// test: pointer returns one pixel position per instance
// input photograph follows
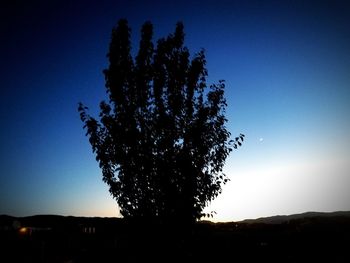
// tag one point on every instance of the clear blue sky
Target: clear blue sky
(287, 70)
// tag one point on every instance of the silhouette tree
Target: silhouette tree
(161, 139)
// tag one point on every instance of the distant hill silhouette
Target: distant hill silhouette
(58, 220)
(278, 219)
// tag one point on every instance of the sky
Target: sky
(287, 71)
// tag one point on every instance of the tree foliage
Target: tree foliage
(161, 139)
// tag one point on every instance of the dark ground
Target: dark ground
(67, 239)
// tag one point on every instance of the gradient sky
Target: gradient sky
(287, 70)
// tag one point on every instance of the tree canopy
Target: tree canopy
(160, 139)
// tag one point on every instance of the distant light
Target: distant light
(23, 230)
(261, 139)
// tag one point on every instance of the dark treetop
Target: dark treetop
(161, 139)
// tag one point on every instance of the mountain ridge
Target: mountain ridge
(276, 219)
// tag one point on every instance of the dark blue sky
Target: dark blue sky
(286, 66)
